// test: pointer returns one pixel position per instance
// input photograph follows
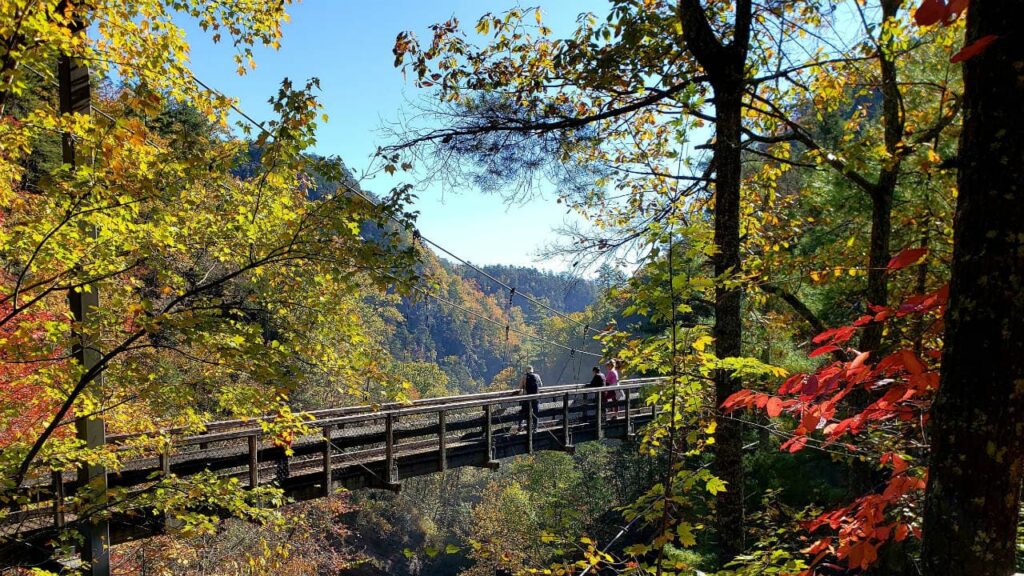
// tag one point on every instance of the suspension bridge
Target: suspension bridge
(353, 448)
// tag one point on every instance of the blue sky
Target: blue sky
(347, 45)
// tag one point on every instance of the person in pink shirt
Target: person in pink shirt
(611, 378)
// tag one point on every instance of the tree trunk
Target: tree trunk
(972, 501)
(726, 66)
(878, 258)
(888, 177)
(728, 327)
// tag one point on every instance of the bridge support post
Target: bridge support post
(75, 98)
(391, 469)
(57, 479)
(442, 441)
(165, 461)
(326, 457)
(566, 439)
(600, 415)
(489, 437)
(629, 418)
(531, 424)
(165, 471)
(254, 464)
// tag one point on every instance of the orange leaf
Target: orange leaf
(973, 49)
(774, 407)
(809, 422)
(901, 532)
(859, 360)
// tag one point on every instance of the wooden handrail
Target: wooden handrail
(319, 414)
(554, 391)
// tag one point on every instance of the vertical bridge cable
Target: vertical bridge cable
(508, 325)
(568, 361)
(583, 344)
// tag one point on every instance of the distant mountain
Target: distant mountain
(472, 351)
(561, 291)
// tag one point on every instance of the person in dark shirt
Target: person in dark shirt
(530, 384)
(596, 382)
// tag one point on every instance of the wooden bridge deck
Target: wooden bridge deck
(357, 447)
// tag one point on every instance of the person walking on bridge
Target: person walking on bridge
(596, 382)
(529, 384)
(611, 378)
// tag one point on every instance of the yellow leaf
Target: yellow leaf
(701, 343)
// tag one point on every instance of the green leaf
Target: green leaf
(685, 533)
(715, 485)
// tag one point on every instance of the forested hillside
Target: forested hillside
(470, 351)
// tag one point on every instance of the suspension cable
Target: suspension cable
(497, 323)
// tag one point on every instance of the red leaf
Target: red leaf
(843, 334)
(792, 384)
(823, 350)
(774, 407)
(901, 532)
(738, 399)
(827, 334)
(837, 335)
(911, 362)
(810, 386)
(809, 422)
(955, 8)
(973, 49)
(794, 444)
(906, 258)
(761, 400)
(863, 320)
(818, 546)
(930, 12)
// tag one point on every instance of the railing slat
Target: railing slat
(389, 448)
(442, 441)
(488, 432)
(566, 443)
(326, 457)
(57, 479)
(254, 464)
(531, 423)
(629, 419)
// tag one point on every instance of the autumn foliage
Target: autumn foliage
(26, 402)
(865, 408)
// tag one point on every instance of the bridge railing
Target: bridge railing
(231, 424)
